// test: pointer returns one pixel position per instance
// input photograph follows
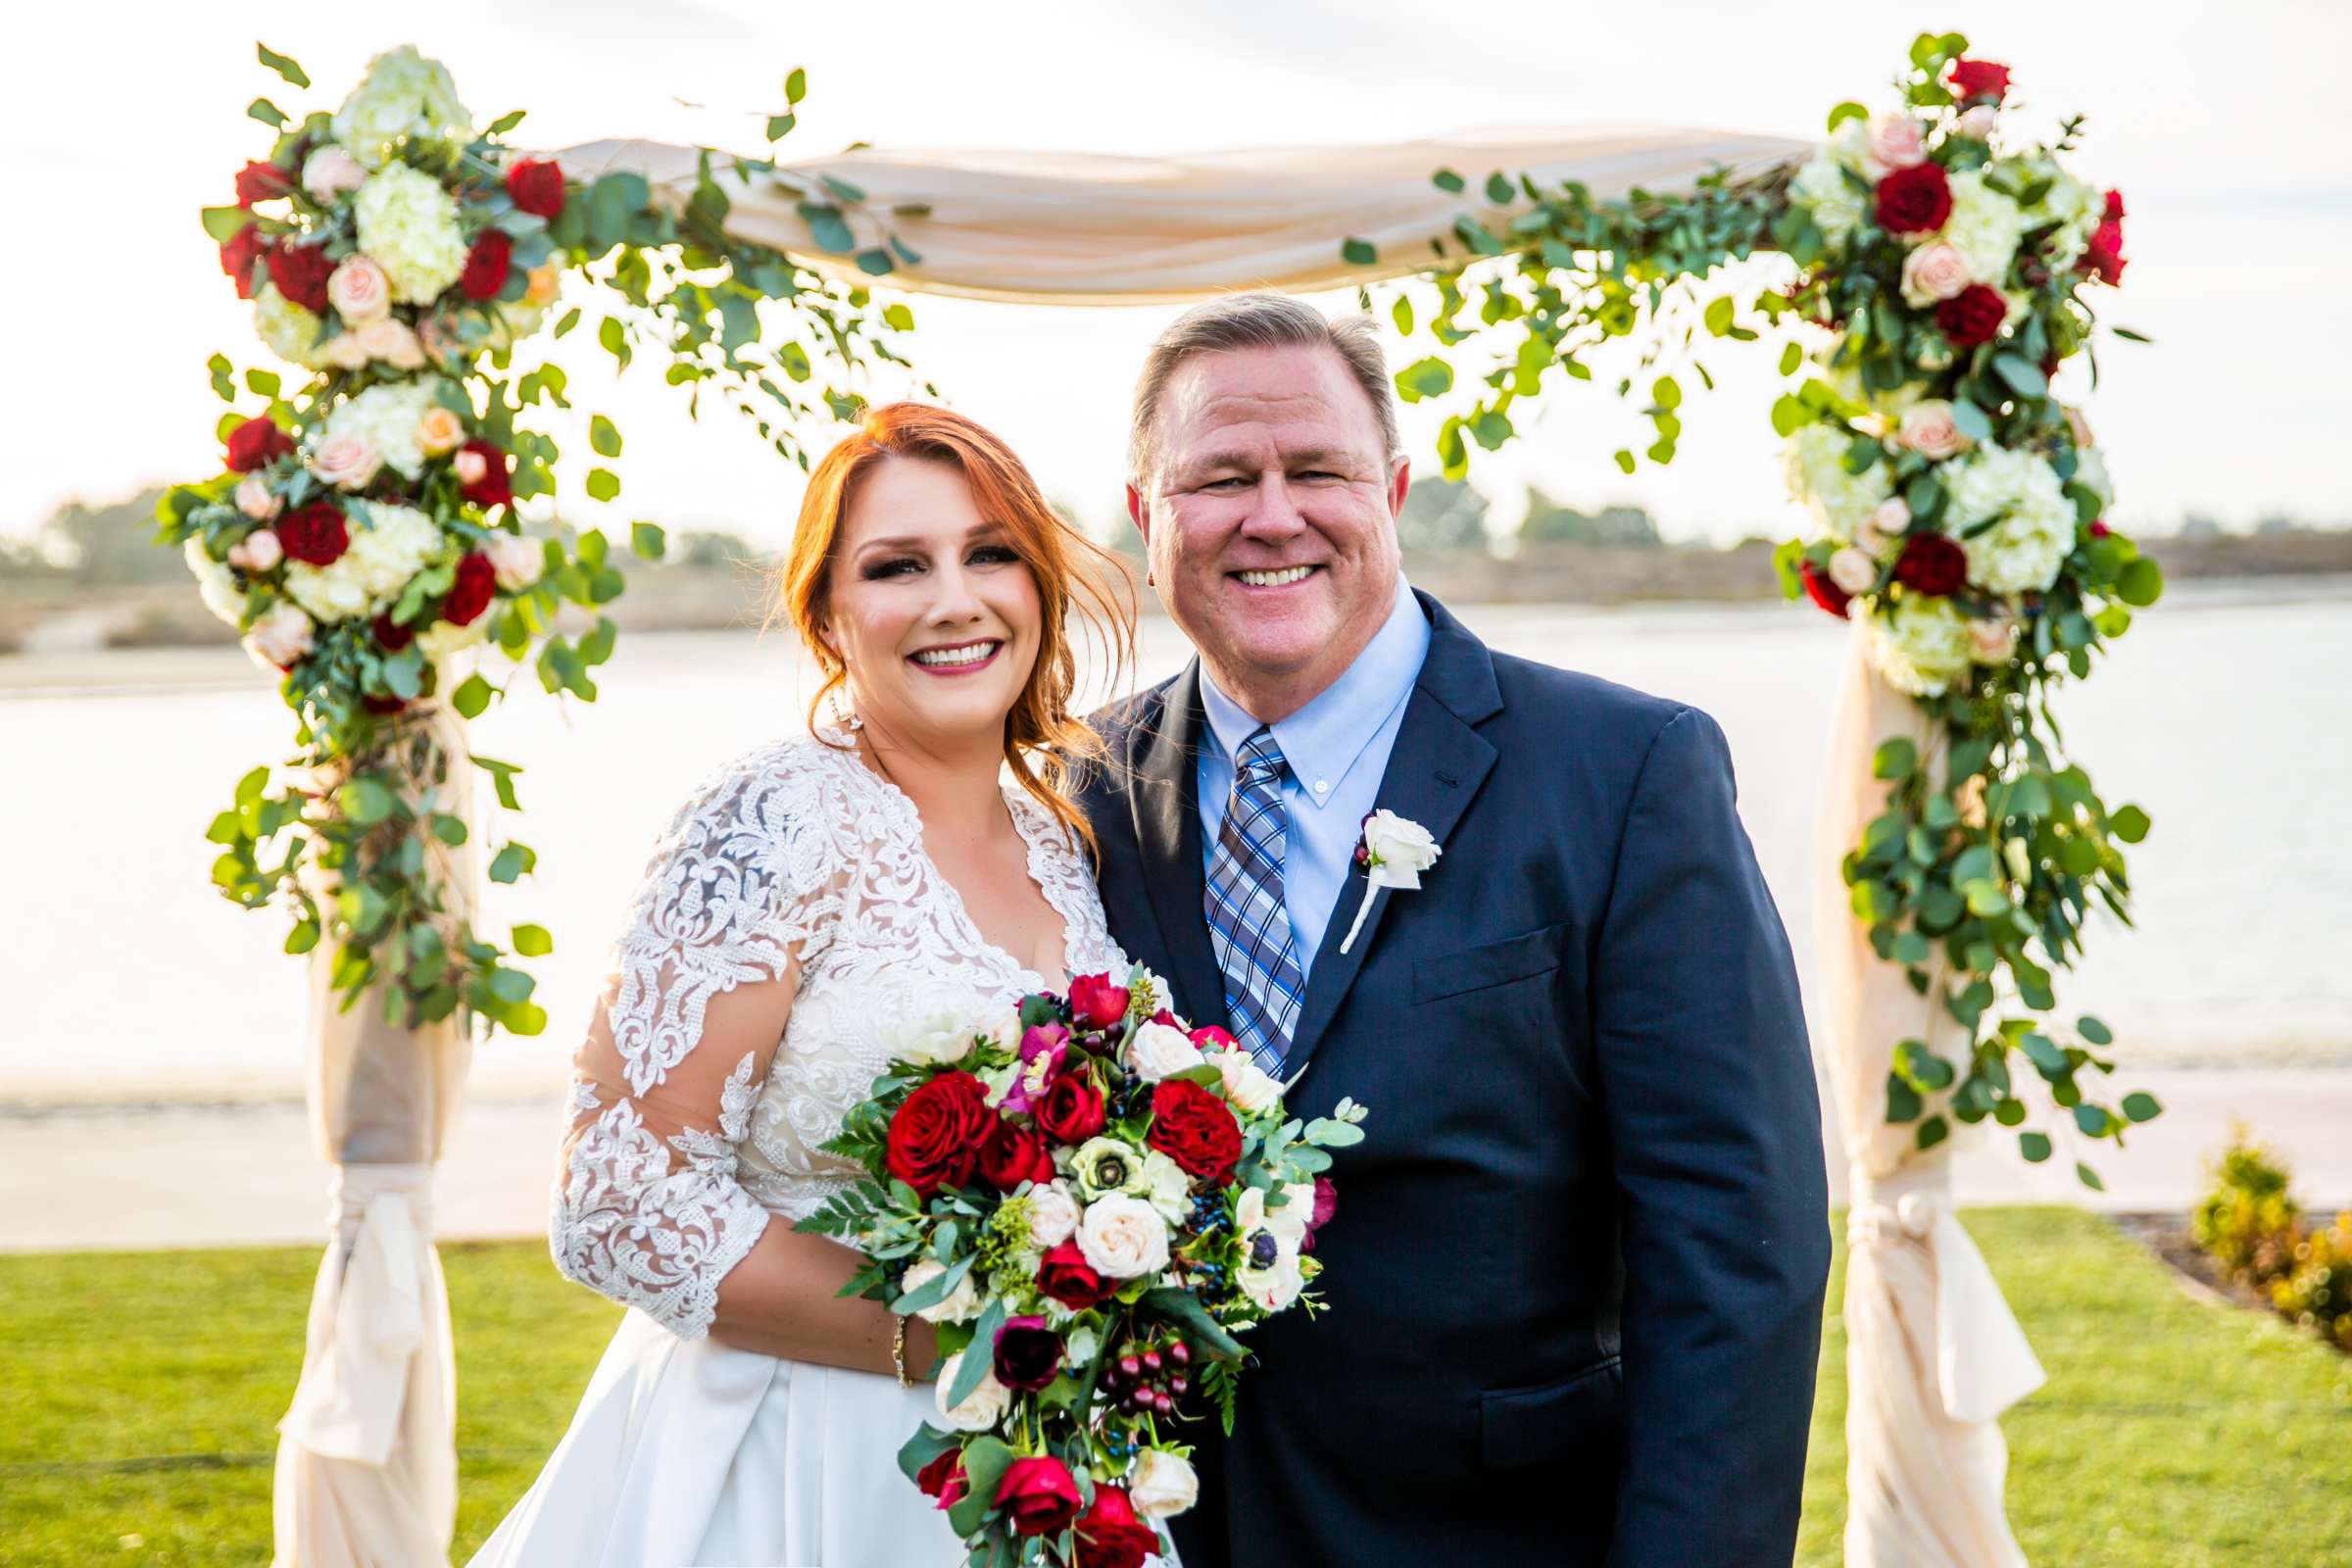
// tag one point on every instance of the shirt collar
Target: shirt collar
(1324, 739)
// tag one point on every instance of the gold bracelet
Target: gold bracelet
(898, 1352)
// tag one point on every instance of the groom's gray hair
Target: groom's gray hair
(1257, 321)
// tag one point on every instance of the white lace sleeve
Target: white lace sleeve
(738, 898)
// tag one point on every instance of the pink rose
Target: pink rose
(516, 561)
(345, 352)
(393, 343)
(1977, 123)
(1856, 572)
(258, 550)
(471, 465)
(256, 499)
(280, 638)
(1994, 641)
(347, 461)
(1927, 428)
(330, 172)
(359, 291)
(1897, 140)
(1932, 272)
(1882, 532)
(439, 431)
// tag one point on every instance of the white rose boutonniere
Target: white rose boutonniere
(1394, 851)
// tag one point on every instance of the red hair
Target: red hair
(1074, 575)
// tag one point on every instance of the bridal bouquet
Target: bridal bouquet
(1089, 1199)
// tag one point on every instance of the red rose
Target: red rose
(1067, 1277)
(1111, 1534)
(944, 1478)
(495, 485)
(1072, 1110)
(1209, 1036)
(2099, 529)
(238, 253)
(1096, 1003)
(1932, 563)
(536, 185)
(1978, 79)
(392, 635)
(2103, 257)
(316, 533)
(1037, 1496)
(300, 272)
(257, 444)
(258, 183)
(486, 265)
(1028, 1354)
(1823, 592)
(383, 705)
(1014, 1154)
(1911, 200)
(1971, 316)
(471, 593)
(936, 1134)
(1195, 1129)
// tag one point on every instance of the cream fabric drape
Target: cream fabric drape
(366, 1460)
(1070, 229)
(1934, 1354)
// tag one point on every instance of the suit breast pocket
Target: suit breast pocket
(1489, 964)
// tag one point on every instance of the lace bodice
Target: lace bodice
(791, 889)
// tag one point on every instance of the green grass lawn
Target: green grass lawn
(138, 1394)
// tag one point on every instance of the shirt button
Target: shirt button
(1322, 786)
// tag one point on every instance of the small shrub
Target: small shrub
(2317, 1291)
(2250, 1224)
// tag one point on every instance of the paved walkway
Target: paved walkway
(191, 1177)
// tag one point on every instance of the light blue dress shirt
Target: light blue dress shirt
(1337, 748)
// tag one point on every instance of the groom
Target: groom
(1575, 1282)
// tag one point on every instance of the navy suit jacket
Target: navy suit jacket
(1575, 1277)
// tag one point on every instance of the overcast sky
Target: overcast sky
(2222, 122)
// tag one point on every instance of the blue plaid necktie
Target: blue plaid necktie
(1249, 929)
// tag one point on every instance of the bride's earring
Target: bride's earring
(842, 715)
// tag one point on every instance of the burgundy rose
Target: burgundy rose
(1038, 1494)
(391, 634)
(1932, 563)
(486, 265)
(1326, 1204)
(493, 480)
(300, 272)
(1028, 1353)
(257, 444)
(1914, 200)
(383, 705)
(936, 1132)
(1067, 1277)
(1096, 1003)
(317, 533)
(1195, 1129)
(1111, 1534)
(259, 182)
(238, 253)
(536, 185)
(1823, 592)
(944, 1478)
(471, 593)
(1014, 1154)
(1978, 79)
(1072, 1110)
(1973, 315)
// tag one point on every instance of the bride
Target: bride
(806, 904)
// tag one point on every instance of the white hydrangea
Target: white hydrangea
(389, 544)
(2074, 206)
(2022, 552)
(1823, 190)
(1817, 475)
(287, 329)
(1984, 226)
(440, 640)
(402, 95)
(1921, 645)
(388, 416)
(214, 584)
(409, 226)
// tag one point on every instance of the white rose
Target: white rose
(517, 560)
(1855, 570)
(1994, 641)
(330, 172)
(1166, 1187)
(279, 638)
(392, 343)
(960, 1305)
(932, 1042)
(1124, 1238)
(1398, 843)
(1977, 123)
(257, 500)
(402, 96)
(1897, 140)
(981, 1409)
(1928, 429)
(347, 461)
(359, 291)
(258, 550)
(1156, 1051)
(1162, 1485)
(214, 584)
(1933, 271)
(1921, 645)
(1249, 1087)
(1882, 532)
(409, 224)
(1052, 1215)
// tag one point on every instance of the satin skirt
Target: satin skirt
(690, 1454)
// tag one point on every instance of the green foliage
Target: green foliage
(1621, 527)
(1441, 516)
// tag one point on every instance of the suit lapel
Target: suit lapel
(1164, 795)
(1435, 771)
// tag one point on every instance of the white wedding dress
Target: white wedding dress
(685, 1144)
